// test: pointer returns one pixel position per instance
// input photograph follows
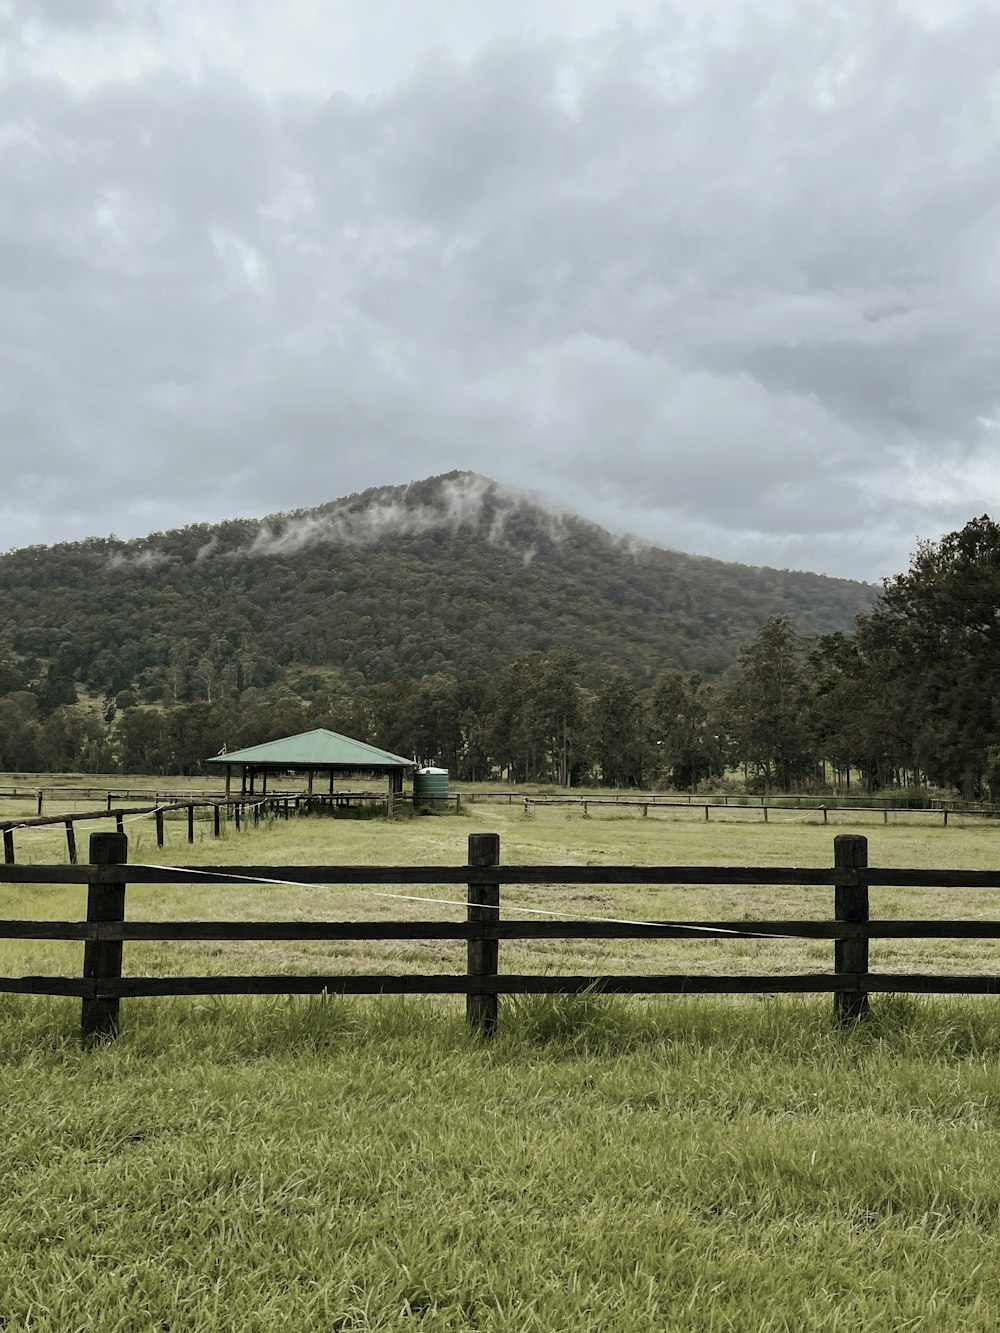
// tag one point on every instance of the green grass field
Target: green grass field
(604, 1164)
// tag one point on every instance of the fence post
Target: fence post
(71, 842)
(216, 821)
(159, 828)
(41, 796)
(102, 959)
(483, 906)
(8, 846)
(120, 823)
(850, 852)
(191, 822)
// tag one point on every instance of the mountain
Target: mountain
(452, 574)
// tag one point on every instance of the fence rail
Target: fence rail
(222, 810)
(235, 808)
(647, 803)
(743, 800)
(475, 794)
(105, 931)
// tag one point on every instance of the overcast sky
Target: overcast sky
(725, 275)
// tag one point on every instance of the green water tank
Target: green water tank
(430, 786)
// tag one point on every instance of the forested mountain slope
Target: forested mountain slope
(453, 574)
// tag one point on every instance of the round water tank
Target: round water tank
(430, 786)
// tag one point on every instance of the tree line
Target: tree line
(911, 698)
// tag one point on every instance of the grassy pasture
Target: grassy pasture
(605, 1164)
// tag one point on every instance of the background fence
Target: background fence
(752, 806)
(105, 931)
(220, 810)
(771, 800)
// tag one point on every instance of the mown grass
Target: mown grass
(318, 1165)
(604, 1164)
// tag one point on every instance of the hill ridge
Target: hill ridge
(494, 499)
(453, 573)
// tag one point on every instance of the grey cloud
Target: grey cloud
(726, 285)
(76, 17)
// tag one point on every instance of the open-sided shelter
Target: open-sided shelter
(320, 751)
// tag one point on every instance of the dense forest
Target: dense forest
(452, 575)
(584, 688)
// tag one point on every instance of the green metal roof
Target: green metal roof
(314, 749)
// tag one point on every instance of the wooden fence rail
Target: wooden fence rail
(109, 795)
(647, 803)
(236, 808)
(105, 931)
(67, 792)
(742, 800)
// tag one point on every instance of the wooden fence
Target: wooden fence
(38, 795)
(647, 803)
(220, 810)
(109, 797)
(741, 800)
(236, 809)
(105, 931)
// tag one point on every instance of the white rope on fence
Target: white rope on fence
(464, 902)
(55, 826)
(416, 898)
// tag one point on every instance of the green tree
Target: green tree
(859, 717)
(53, 692)
(72, 740)
(686, 729)
(768, 708)
(938, 626)
(621, 733)
(141, 741)
(19, 731)
(538, 723)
